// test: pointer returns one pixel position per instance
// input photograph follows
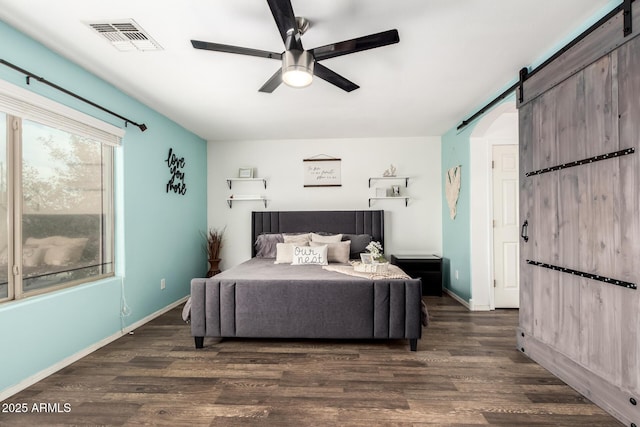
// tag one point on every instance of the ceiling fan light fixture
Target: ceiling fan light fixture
(297, 68)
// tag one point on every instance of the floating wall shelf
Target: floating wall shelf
(230, 181)
(406, 199)
(405, 178)
(245, 199)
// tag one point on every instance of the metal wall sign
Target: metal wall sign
(176, 166)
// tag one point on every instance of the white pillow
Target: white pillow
(284, 253)
(321, 238)
(336, 252)
(301, 238)
(306, 255)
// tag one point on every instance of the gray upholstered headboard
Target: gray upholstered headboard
(346, 222)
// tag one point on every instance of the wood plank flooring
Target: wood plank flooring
(466, 372)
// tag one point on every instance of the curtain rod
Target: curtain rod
(30, 76)
(525, 73)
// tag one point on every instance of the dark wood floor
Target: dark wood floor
(466, 372)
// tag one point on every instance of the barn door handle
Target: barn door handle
(525, 231)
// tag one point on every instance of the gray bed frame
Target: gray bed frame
(360, 309)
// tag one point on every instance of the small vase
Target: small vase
(213, 267)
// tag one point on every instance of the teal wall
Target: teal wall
(158, 234)
(456, 233)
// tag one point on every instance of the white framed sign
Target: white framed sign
(322, 172)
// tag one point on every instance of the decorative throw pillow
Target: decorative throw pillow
(326, 238)
(296, 238)
(266, 244)
(284, 253)
(336, 252)
(359, 244)
(305, 255)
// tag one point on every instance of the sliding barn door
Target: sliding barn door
(579, 210)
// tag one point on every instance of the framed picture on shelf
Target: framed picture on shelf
(245, 173)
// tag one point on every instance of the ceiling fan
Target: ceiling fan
(300, 65)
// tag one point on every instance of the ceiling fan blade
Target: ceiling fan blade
(235, 49)
(356, 45)
(285, 18)
(272, 83)
(334, 78)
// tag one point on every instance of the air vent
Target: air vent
(125, 35)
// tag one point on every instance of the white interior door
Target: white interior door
(506, 286)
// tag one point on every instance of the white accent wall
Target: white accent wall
(415, 229)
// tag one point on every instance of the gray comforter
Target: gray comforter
(261, 299)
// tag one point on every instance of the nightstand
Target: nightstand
(428, 268)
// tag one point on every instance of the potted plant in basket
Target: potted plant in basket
(375, 249)
(213, 245)
(373, 261)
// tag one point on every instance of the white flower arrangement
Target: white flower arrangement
(375, 249)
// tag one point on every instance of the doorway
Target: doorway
(499, 127)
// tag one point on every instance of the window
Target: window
(56, 199)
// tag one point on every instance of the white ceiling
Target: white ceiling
(452, 57)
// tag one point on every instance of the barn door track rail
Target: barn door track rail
(604, 279)
(584, 161)
(525, 73)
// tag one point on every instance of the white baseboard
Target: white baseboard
(478, 307)
(8, 392)
(457, 298)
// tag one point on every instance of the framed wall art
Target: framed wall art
(322, 172)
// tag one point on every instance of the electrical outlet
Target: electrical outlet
(163, 284)
(456, 274)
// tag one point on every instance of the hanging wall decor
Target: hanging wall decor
(322, 171)
(452, 189)
(176, 169)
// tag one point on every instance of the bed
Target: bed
(262, 298)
